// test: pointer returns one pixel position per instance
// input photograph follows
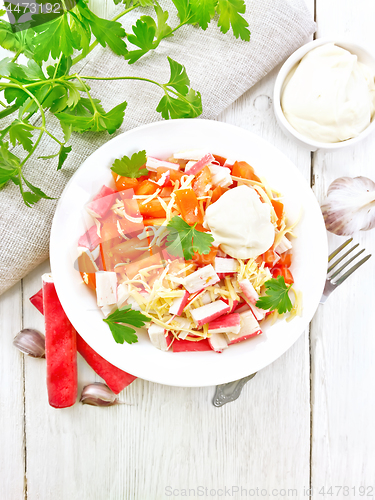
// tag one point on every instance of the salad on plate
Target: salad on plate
(196, 248)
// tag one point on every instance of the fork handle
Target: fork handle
(226, 393)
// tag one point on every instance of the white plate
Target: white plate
(189, 369)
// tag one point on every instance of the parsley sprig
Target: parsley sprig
(183, 240)
(276, 296)
(131, 167)
(118, 320)
(34, 91)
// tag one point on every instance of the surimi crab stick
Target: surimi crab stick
(115, 378)
(61, 349)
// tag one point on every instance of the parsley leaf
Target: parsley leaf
(203, 11)
(183, 103)
(184, 240)
(120, 332)
(230, 15)
(107, 32)
(147, 34)
(21, 132)
(131, 167)
(184, 10)
(63, 155)
(276, 296)
(55, 37)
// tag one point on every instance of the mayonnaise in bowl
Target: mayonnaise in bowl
(329, 96)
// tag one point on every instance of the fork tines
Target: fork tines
(343, 277)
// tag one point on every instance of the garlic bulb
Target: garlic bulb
(98, 394)
(350, 205)
(30, 342)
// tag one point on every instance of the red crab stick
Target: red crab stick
(115, 378)
(61, 349)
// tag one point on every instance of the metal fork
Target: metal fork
(336, 279)
(227, 393)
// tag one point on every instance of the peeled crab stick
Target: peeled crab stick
(102, 202)
(231, 323)
(221, 176)
(37, 300)
(250, 328)
(188, 345)
(234, 305)
(283, 246)
(200, 164)
(188, 205)
(61, 349)
(249, 291)
(179, 304)
(90, 239)
(259, 314)
(152, 164)
(218, 342)
(225, 266)
(200, 279)
(106, 288)
(193, 154)
(115, 378)
(209, 312)
(159, 337)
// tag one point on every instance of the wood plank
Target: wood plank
(342, 331)
(12, 462)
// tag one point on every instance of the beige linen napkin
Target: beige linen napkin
(219, 66)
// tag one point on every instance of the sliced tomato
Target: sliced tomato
(203, 182)
(153, 208)
(166, 192)
(285, 260)
(220, 159)
(269, 258)
(279, 208)
(244, 170)
(89, 280)
(134, 267)
(283, 271)
(216, 193)
(205, 259)
(146, 188)
(153, 222)
(189, 207)
(123, 183)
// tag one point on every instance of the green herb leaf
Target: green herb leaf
(63, 155)
(131, 167)
(55, 37)
(120, 332)
(203, 11)
(83, 117)
(230, 15)
(184, 10)
(183, 240)
(276, 296)
(147, 34)
(106, 32)
(38, 192)
(21, 132)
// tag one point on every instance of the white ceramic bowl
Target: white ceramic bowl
(364, 56)
(189, 369)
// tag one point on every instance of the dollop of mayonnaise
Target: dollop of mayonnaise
(329, 96)
(240, 223)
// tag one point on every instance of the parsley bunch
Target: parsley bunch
(32, 90)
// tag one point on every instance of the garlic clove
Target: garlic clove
(30, 342)
(98, 394)
(349, 206)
